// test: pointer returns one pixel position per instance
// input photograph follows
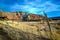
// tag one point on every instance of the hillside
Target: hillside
(21, 16)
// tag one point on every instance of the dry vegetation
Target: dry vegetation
(14, 30)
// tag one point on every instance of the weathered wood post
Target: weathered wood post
(18, 22)
(16, 13)
(47, 20)
(18, 17)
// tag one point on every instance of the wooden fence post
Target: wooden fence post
(47, 20)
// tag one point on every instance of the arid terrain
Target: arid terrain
(14, 30)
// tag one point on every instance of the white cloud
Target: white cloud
(47, 6)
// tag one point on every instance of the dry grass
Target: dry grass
(29, 30)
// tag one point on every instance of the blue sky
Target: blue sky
(51, 7)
